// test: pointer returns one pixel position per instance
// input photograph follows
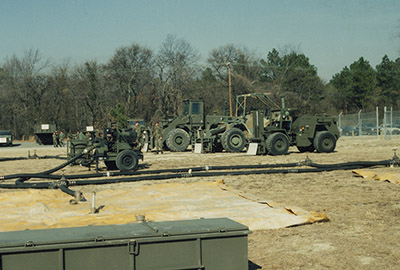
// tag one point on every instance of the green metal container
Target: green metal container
(44, 133)
(218, 244)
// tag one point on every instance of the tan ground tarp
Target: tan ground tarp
(37, 209)
(391, 175)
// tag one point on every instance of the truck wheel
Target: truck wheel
(127, 160)
(177, 140)
(277, 144)
(233, 140)
(324, 142)
(303, 149)
(110, 165)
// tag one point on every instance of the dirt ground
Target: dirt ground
(364, 228)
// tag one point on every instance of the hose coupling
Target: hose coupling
(395, 159)
(78, 195)
(306, 162)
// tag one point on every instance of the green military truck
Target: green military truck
(214, 132)
(44, 133)
(277, 128)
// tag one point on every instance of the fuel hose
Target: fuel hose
(65, 182)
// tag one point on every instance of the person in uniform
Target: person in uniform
(80, 135)
(139, 138)
(61, 138)
(55, 138)
(88, 138)
(158, 138)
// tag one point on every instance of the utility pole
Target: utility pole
(230, 87)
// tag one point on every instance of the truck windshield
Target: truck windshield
(195, 108)
(5, 132)
(185, 108)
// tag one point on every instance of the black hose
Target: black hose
(202, 174)
(12, 158)
(40, 185)
(35, 157)
(44, 175)
(69, 183)
(66, 182)
(356, 163)
(178, 170)
(23, 179)
(64, 188)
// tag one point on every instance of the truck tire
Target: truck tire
(277, 144)
(127, 160)
(233, 140)
(324, 142)
(303, 149)
(177, 140)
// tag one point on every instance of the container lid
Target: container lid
(119, 232)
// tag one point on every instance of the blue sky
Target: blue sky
(332, 33)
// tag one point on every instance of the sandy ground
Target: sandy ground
(364, 228)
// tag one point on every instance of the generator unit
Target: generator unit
(117, 147)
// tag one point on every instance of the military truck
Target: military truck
(44, 133)
(214, 132)
(117, 148)
(6, 137)
(278, 127)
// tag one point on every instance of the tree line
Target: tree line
(141, 83)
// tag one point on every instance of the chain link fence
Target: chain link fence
(381, 123)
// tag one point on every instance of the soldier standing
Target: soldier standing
(55, 139)
(158, 138)
(61, 138)
(138, 131)
(88, 138)
(80, 135)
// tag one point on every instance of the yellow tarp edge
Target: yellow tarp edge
(40, 209)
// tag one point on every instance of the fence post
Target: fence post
(359, 122)
(377, 122)
(385, 124)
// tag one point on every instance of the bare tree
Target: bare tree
(131, 72)
(88, 89)
(245, 69)
(26, 84)
(177, 63)
(220, 57)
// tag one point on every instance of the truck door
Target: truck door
(196, 113)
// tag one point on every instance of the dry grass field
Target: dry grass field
(364, 227)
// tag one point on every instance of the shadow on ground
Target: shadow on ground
(253, 266)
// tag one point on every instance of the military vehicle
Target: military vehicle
(117, 148)
(44, 133)
(278, 127)
(214, 132)
(6, 137)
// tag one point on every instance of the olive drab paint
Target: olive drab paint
(212, 244)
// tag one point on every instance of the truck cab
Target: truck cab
(194, 111)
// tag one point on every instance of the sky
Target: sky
(331, 33)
